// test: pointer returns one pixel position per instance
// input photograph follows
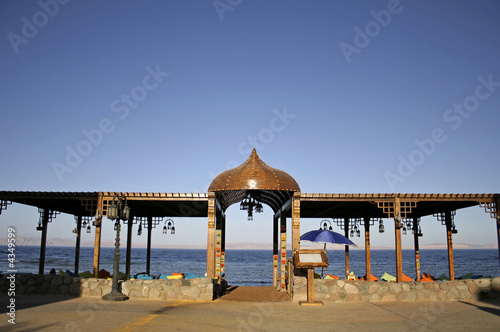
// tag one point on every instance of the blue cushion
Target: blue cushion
(71, 274)
(143, 277)
(190, 276)
(163, 276)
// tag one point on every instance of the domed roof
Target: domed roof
(254, 174)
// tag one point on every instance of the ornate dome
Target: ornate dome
(254, 174)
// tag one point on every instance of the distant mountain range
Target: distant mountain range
(60, 242)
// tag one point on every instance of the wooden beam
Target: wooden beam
(275, 250)
(417, 248)
(211, 237)
(449, 241)
(296, 222)
(367, 249)
(346, 233)
(148, 254)
(397, 231)
(97, 237)
(283, 254)
(43, 242)
(128, 253)
(223, 246)
(77, 245)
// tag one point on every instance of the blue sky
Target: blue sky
(161, 96)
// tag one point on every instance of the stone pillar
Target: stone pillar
(211, 236)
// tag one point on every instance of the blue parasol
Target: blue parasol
(327, 237)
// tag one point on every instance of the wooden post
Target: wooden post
(43, 244)
(218, 242)
(310, 285)
(148, 255)
(128, 254)
(223, 246)
(97, 238)
(77, 246)
(275, 250)
(283, 254)
(346, 233)
(497, 215)
(211, 236)
(498, 236)
(296, 221)
(417, 248)
(397, 231)
(367, 249)
(451, 264)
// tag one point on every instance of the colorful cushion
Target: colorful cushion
(71, 274)
(86, 274)
(331, 276)
(174, 277)
(406, 278)
(387, 277)
(442, 278)
(373, 278)
(163, 276)
(428, 276)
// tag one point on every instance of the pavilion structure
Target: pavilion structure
(252, 184)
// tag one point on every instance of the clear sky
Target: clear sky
(161, 96)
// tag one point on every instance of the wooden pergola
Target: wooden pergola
(255, 182)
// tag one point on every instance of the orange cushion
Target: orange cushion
(406, 278)
(424, 278)
(428, 276)
(177, 274)
(332, 276)
(373, 278)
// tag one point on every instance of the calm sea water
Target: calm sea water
(254, 267)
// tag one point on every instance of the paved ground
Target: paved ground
(36, 313)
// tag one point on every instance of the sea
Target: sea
(253, 267)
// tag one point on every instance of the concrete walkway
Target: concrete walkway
(36, 313)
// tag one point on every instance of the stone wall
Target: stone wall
(199, 289)
(380, 291)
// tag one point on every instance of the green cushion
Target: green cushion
(387, 277)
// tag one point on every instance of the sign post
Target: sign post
(310, 259)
